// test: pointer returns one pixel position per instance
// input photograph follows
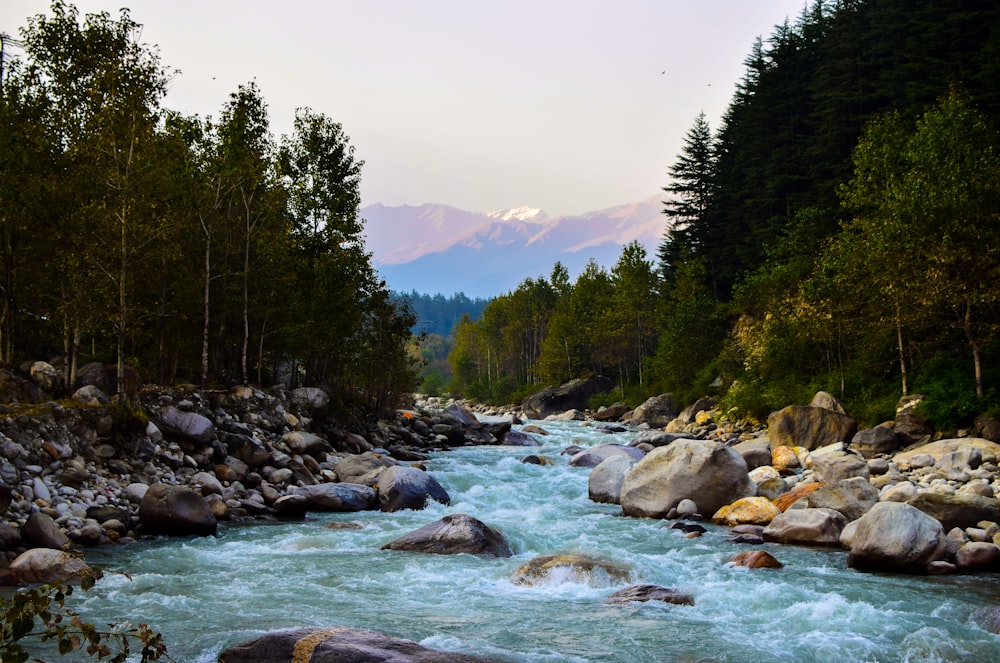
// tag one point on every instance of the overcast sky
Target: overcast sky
(567, 105)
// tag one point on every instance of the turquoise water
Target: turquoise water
(205, 594)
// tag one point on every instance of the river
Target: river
(205, 594)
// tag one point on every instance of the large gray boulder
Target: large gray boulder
(852, 497)
(756, 452)
(41, 531)
(574, 395)
(188, 425)
(834, 467)
(454, 534)
(871, 442)
(657, 411)
(49, 566)
(594, 456)
(809, 427)
(175, 511)
(404, 487)
(338, 497)
(309, 399)
(605, 482)
(896, 537)
(705, 471)
(338, 645)
(811, 527)
(363, 468)
(957, 510)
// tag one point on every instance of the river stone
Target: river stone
(574, 395)
(642, 593)
(338, 645)
(605, 482)
(988, 618)
(827, 401)
(761, 474)
(851, 497)
(819, 527)
(756, 452)
(936, 450)
(657, 411)
(90, 395)
(454, 534)
(175, 511)
(251, 451)
(41, 531)
(613, 412)
(788, 459)
(188, 425)
(978, 556)
(309, 399)
(10, 536)
(570, 567)
(49, 566)
(809, 427)
(291, 507)
(338, 497)
(404, 487)
(706, 471)
(594, 456)
(881, 439)
(832, 468)
(301, 442)
(746, 511)
(957, 510)
(755, 559)
(896, 537)
(772, 488)
(363, 468)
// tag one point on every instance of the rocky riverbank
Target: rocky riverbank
(84, 472)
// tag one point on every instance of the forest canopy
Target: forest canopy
(193, 249)
(837, 231)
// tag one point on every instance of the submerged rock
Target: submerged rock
(404, 487)
(644, 593)
(570, 567)
(454, 534)
(338, 645)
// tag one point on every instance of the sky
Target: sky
(570, 106)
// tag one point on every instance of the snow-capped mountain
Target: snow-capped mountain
(441, 249)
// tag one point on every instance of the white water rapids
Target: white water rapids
(205, 594)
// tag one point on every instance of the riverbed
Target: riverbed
(205, 594)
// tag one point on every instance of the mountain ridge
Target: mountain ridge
(437, 248)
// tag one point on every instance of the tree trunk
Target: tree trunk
(902, 351)
(205, 302)
(977, 358)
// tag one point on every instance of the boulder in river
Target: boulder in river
(454, 534)
(175, 510)
(644, 593)
(49, 566)
(570, 567)
(41, 531)
(809, 427)
(755, 559)
(746, 511)
(708, 472)
(812, 527)
(957, 510)
(363, 468)
(575, 394)
(657, 411)
(605, 482)
(338, 645)
(896, 537)
(405, 487)
(594, 456)
(338, 497)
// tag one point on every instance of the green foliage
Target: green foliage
(40, 614)
(948, 402)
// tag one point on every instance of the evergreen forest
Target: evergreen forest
(839, 230)
(190, 249)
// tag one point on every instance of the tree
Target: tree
(691, 188)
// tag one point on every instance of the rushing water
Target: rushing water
(205, 594)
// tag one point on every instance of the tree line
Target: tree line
(838, 231)
(192, 249)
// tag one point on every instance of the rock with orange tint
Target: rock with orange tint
(784, 458)
(756, 559)
(794, 495)
(746, 511)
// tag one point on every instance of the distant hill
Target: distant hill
(440, 249)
